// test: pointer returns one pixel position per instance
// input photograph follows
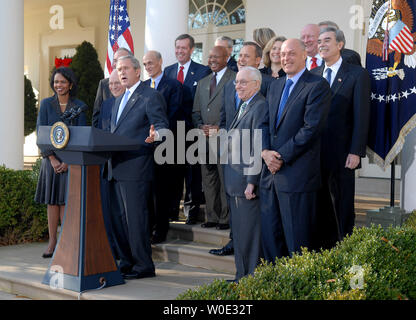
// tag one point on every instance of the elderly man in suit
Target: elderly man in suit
(298, 108)
(250, 55)
(137, 114)
(206, 116)
(242, 187)
(309, 35)
(103, 90)
(188, 73)
(344, 139)
(168, 177)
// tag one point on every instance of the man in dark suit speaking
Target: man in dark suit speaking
(137, 114)
(298, 109)
(344, 138)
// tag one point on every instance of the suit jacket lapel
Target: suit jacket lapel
(133, 98)
(274, 108)
(292, 97)
(237, 119)
(114, 111)
(340, 77)
(227, 76)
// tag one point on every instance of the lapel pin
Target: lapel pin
(339, 79)
(192, 73)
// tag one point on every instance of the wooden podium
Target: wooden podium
(83, 259)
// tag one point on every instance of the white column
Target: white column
(12, 85)
(408, 161)
(165, 20)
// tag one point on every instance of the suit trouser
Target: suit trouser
(335, 207)
(246, 221)
(165, 187)
(287, 221)
(216, 209)
(129, 213)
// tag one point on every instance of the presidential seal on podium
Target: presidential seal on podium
(59, 135)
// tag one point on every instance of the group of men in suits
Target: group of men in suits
(313, 133)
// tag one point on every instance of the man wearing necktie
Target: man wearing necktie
(309, 35)
(138, 115)
(241, 188)
(168, 181)
(206, 116)
(344, 138)
(298, 108)
(188, 72)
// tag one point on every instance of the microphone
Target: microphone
(73, 113)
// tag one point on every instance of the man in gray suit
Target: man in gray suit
(241, 177)
(137, 114)
(206, 116)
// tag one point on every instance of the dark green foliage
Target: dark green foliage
(30, 108)
(21, 219)
(386, 259)
(88, 70)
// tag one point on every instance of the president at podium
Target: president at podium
(130, 172)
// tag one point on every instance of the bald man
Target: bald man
(168, 180)
(206, 116)
(309, 35)
(298, 108)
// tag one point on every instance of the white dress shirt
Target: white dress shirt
(334, 68)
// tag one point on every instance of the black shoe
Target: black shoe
(232, 281)
(47, 255)
(138, 275)
(223, 226)
(209, 225)
(224, 251)
(157, 239)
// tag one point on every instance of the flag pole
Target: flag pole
(392, 182)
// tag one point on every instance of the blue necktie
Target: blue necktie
(122, 104)
(328, 75)
(283, 101)
(237, 101)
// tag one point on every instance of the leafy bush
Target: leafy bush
(372, 264)
(21, 219)
(30, 108)
(89, 72)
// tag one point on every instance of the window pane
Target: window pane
(197, 54)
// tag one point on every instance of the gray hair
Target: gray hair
(134, 61)
(328, 23)
(230, 41)
(255, 73)
(339, 35)
(125, 50)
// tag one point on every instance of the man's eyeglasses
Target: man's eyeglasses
(242, 83)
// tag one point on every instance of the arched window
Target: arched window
(215, 12)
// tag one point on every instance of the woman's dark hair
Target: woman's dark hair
(69, 75)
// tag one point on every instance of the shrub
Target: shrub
(30, 108)
(88, 70)
(21, 219)
(372, 264)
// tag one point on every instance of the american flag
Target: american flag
(401, 38)
(119, 34)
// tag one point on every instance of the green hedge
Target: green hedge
(386, 259)
(21, 219)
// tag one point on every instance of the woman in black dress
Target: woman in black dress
(271, 58)
(51, 188)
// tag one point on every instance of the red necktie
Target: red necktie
(180, 74)
(314, 64)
